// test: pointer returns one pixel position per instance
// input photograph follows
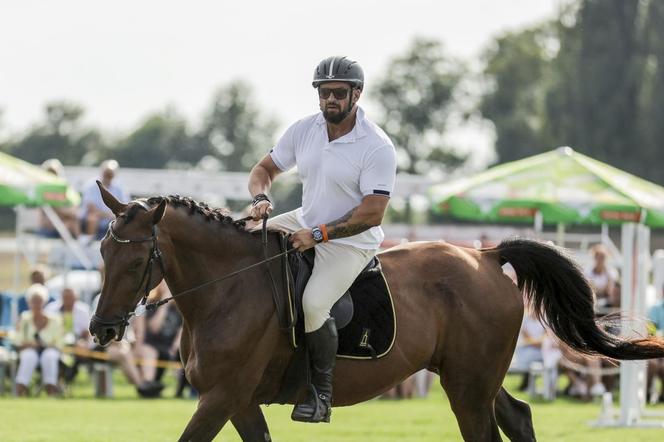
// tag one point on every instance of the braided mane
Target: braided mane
(220, 215)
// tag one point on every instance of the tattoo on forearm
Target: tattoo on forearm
(342, 227)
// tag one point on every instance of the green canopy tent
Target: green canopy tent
(22, 183)
(25, 185)
(561, 186)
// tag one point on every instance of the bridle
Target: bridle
(155, 255)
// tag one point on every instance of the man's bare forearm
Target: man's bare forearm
(259, 181)
(352, 223)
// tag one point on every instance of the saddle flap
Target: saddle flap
(301, 265)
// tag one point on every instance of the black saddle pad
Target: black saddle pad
(371, 331)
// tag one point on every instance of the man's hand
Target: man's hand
(260, 210)
(302, 240)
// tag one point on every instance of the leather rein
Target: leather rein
(155, 255)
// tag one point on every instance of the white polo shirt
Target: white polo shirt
(337, 174)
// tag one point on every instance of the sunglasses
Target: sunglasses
(340, 93)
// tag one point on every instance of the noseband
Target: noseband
(154, 256)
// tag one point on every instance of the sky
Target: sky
(122, 60)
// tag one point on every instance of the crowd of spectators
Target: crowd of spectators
(51, 337)
(52, 342)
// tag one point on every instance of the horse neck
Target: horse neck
(200, 251)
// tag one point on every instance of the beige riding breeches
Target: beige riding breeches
(335, 268)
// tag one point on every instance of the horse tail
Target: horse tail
(562, 298)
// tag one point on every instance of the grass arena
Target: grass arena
(126, 417)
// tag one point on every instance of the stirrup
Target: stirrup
(317, 408)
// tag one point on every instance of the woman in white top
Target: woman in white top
(39, 340)
(603, 278)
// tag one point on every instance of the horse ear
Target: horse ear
(111, 202)
(158, 212)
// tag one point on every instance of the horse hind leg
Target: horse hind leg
(471, 396)
(251, 425)
(514, 417)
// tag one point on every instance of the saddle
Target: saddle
(364, 316)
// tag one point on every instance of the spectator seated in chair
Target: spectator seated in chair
(38, 339)
(603, 279)
(121, 353)
(95, 216)
(529, 348)
(75, 317)
(158, 337)
(587, 382)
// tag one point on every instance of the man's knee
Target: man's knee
(312, 304)
(316, 311)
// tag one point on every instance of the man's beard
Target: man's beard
(335, 118)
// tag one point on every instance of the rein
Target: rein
(156, 255)
(154, 305)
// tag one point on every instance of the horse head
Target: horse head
(129, 250)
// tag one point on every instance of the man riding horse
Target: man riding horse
(348, 166)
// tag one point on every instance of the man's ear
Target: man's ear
(356, 95)
(158, 212)
(111, 202)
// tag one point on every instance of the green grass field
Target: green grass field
(126, 417)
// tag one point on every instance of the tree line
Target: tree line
(592, 78)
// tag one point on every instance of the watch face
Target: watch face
(318, 235)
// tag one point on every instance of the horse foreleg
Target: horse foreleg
(250, 424)
(514, 417)
(210, 416)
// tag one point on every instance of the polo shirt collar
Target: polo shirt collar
(358, 130)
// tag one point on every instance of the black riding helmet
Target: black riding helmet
(338, 69)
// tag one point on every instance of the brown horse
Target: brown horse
(458, 315)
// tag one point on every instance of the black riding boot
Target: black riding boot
(322, 345)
